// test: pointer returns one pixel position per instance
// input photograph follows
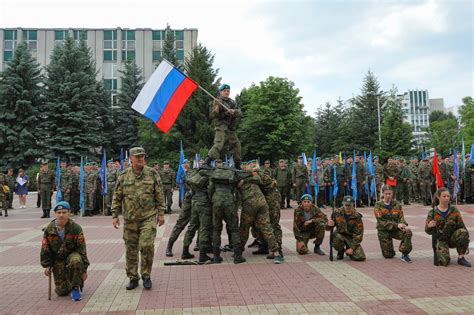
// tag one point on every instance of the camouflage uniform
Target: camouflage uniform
(451, 231)
(112, 175)
(349, 231)
(168, 178)
(283, 178)
(424, 178)
(90, 187)
(388, 218)
(221, 192)
(67, 257)
(225, 128)
(361, 174)
(469, 182)
(3, 195)
(65, 184)
(341, 180)
(254, 211)
(379, 176)
(300, 179)
(403, 181)
(414, 185)
(272, 197)
(11, 184)
(45, 185)
(392, 170)
(314, 230)
(141, 199)
(185, 214)
(74, 193)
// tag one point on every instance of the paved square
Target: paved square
(302, 285)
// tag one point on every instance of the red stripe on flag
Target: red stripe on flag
(176, 104)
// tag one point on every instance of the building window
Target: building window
(60, 36)
(31, 39)
(156, 35)
(110, 84)
(9, 44)
(128, 45)
(156, 55)
(80, 35)
(180, 55)
(178, 35)
(110, 45)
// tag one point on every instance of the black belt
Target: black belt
(222, 189)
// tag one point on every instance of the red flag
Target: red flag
(436, 172)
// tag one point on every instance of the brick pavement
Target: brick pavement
(303, 285)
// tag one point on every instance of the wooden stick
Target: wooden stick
(49, 284)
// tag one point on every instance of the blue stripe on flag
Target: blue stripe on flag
(164, 94)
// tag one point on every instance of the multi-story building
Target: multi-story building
(416, 106)
(110, 48)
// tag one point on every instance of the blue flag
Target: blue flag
(456, 173)
(59, 194)
(354, 178)
(472, 154)
(305, 161)
(463, 158)
(181, 174)
(336, 186)
(103, 174)
(372, 175)
(121, 159)
(81, 188)
(314, 171)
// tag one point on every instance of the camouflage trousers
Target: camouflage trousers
(46, 195)
(425, 191)
(3, 201)
(168, 193)
(386, 242)
(284, 192)
(221, 137)
(256, 214)
(272, 200)
(10, 198)
(68, 274)
(403, 193)
(224, 209)
(74, 201)
(341, 242)
(139, 236)
(312, 231)
(414, 189)
(89, 200)
(300, 188)
(205, 224)
(66, 195)
(459, 239)
(193, 226)
(182, 221)
(109, 196)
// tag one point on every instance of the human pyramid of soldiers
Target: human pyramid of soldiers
(217, 193)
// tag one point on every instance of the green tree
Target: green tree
(397, 136)
(273, 124)
(74, 112)
(169, 51)
(438, 115)
(466, 111)
(20, 100)
(126, 133)
(327, 128)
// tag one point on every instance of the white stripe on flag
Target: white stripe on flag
(151, 86)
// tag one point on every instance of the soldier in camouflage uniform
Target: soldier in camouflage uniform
(11, 184)
(446, 171)
(225, 122)
(283, 178)
(65, 182)
(391, 225)
(403, 182)
(139, 194)
(424, 178)
(299, 178)
(90, 187)
(63, 252)
(361, 176)
(391, 172)
(322, 181)
(267, 168)
(349, 231)
(309, 222)
(379, 176)
(255, 212)
(46, 183)
(3, 194)
(469, 181)
(414, 185)
(445, 220)
(341, 179)
(168, 178)
(224, 208)
(74, 189)
(112, 175)
(185, 214)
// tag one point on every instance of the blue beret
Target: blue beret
(306, 197)
(61, 205)
(224, 86)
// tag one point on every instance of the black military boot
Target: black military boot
(237, 166)
(6, 212)
(255, 243)
(262, 250)
(318, 250)
(147, 284)
(203, 258)
(238, 258)
(132, 284)
(207, 162)
(44, 214)
(217, 259)
(340, 255)
(186, 254)
(169, 249)
(1, 213)
(47, 213)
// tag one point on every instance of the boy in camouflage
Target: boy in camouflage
(445, 220)
(391, 225)
(309, 222)
(63, 252)
(349, 231)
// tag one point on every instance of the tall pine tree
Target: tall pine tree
(169, 51)
(74, 110)
(397, 136)
(20, 100)
(126, 119)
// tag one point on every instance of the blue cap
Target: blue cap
(185, 161)
(224, 86)
(306, 197)
(61, 205)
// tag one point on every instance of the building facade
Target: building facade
(110, 48)
(416, 107)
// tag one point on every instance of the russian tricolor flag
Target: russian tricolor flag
(164, 95)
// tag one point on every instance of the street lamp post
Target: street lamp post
(378, 114)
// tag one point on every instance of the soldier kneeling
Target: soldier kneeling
(309, 222)
(349, 231)
(63, 251)
(445, 220)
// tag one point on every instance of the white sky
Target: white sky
(325, 47)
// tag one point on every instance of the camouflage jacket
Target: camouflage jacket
(223, 120)
(351, 227)
(3, 182)
(388, 219)
(424, 172)
(53, 248)
(168, 177)
(252, 195)
(445, 227)
(282, 176)
(46, 180)
(141, 195)
(378, 169)
(65, 179)
(299, 229)
(11, 182)
(91, 180)
(299, 172)
(391, 170)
